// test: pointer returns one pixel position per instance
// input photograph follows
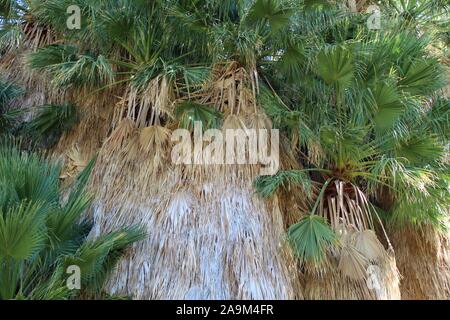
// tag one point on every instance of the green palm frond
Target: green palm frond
(9, 120)
(292, 63)
(52, 55)
(388, 106)
(55, 288)
(437, 119)
(67, 67)
(28, 175)
(11, 37)
(8, 91)
(335, 66)
(193, 77)
(266, 186)
(40, 234)
(314, 4)
(423, 207)
(189, 112)
(97, 257)
(271, 12)
(419, 12)
(311, 238)
(420, 149)
(22, 231)
(421, 76)
(425, 210)
(8, 117)
(51, 121)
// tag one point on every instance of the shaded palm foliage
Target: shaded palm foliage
(8, 116)
(43, 233)
(363, 110)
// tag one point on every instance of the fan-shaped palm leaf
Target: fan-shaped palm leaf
(311, 238)
(335, 66)
(189, 112)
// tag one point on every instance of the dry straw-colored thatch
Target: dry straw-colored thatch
(350, 275)
(80, 144)
(209, 235)
(13, 65)
(423, 258)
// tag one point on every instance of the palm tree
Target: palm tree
(43, 232)
(364, 136)
(199, 246)
(154, 78)
(367, 123)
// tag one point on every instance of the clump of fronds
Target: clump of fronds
(76, 163)
(8, 116)
(10, 38)
(151, 104)
(154, 143)
(232, 90)
(42, 235)
(311, 238)
(67, 67)
(50, 122)
(8, 91)
(266, 186)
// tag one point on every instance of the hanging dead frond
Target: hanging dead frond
(344, 204)
(149, 105)
(359, 261)
(75, 163)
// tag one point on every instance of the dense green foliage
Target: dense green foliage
(43, 231)
(363, 109)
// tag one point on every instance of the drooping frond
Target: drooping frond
(67, 67)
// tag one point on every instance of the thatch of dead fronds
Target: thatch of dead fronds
(209, 235)
(38, 90)
(147, 105)
(88, 135)
(349, 273)
(333, 285)
(423, 258)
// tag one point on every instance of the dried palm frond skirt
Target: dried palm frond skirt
(378, 282)
(208, 235)
(423, 258)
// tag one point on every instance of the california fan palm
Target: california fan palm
(363, 179)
